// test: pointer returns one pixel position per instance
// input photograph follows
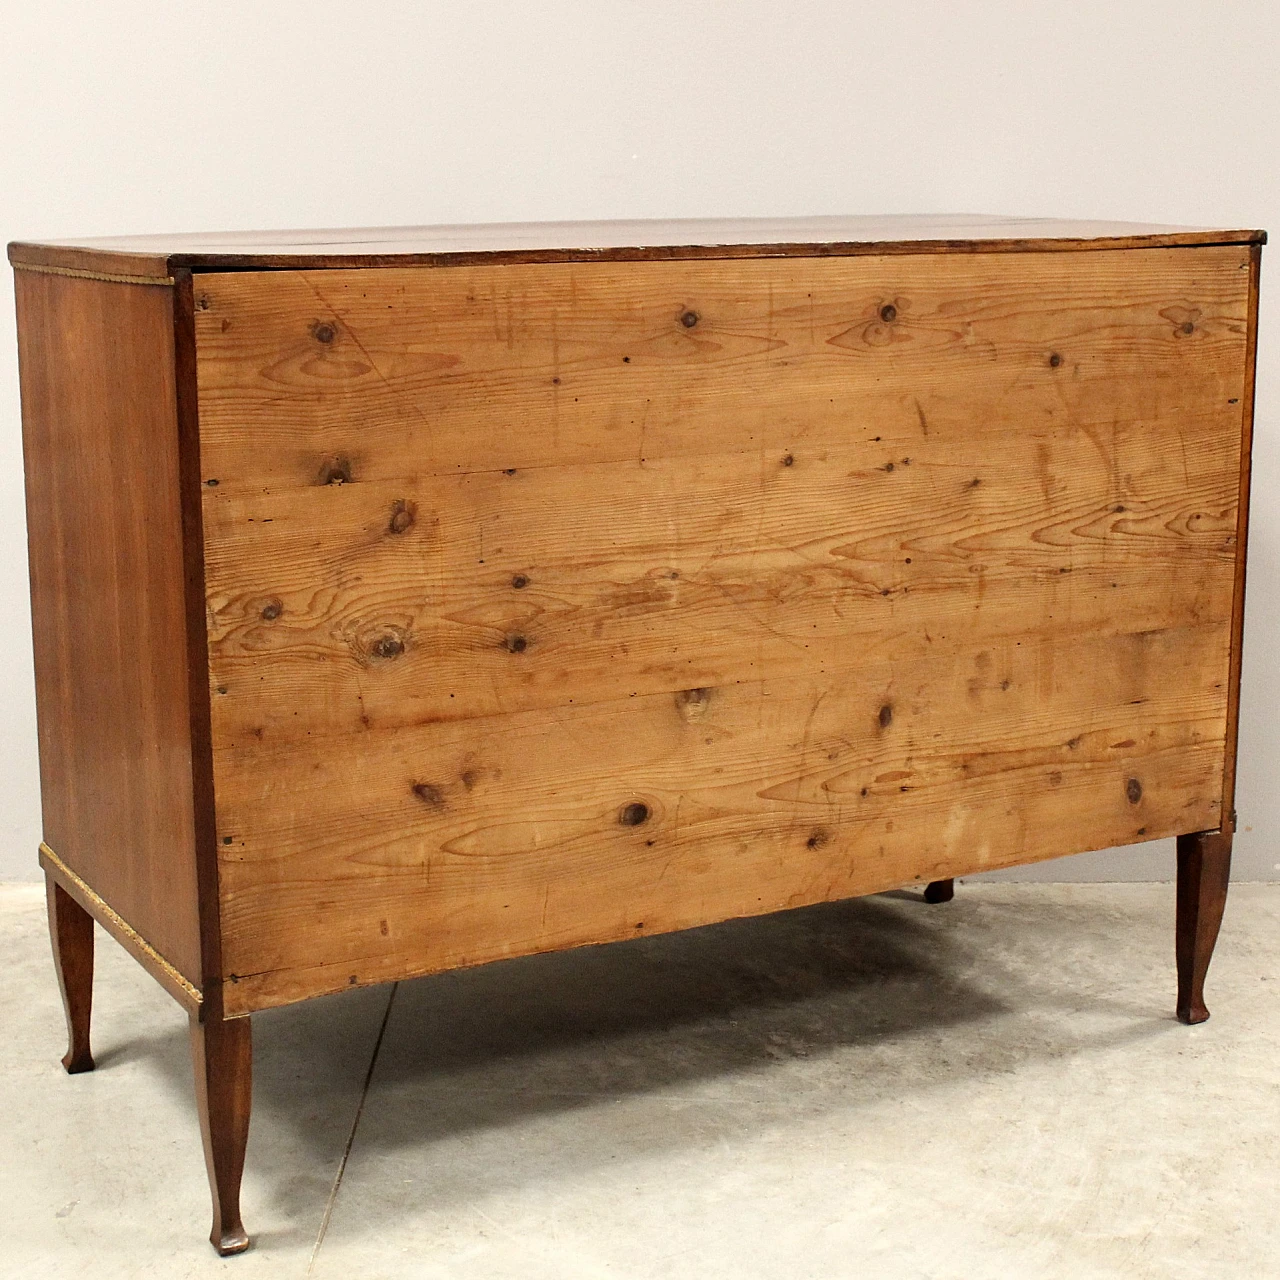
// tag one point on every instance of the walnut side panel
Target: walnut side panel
(552, 604)
(100, 441)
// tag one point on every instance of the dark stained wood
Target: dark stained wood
(613, 241)
(222, 1055)
(105, 539)
(1204, 871)
(1242, 547)
(71, 932)
(204, 830)
(940, 891)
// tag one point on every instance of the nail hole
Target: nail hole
(335, 470)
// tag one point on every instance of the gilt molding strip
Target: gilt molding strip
(75, 273)
(112, 921)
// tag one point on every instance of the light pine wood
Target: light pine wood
(507, 593)
(311, 375)
(499, 555)
(413, 849)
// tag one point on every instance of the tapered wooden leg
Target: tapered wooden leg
(71, 931)
(940, 891)
(1204, 868)
(222, 1052)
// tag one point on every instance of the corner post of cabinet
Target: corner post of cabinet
(189, 479)
(1228, 815)
(221, 1047)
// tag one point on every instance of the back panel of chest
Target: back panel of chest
(553, 604)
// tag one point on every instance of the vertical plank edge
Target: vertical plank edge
(1242, 546)
(205, 815)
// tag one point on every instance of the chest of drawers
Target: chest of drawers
(406, 600)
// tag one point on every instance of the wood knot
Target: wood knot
(817, 839)
(1187, 327)
(633, 814)
(789, 461)
(322, 331)
(1054, 360)
(689, 319)
(387, 647)
(429, 793)
(204, 303)
(886, 715)
(517, 644)
(1133, 789)
(335, 469)
(403, 514)
(271, 610)
(520, 582)
(888, 313)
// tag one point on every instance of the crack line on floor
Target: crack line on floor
(351, 1137)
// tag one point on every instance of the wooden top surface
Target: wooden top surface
(158, 255)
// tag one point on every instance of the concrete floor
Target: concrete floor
(992, 1088)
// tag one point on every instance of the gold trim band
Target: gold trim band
(114, 920)
(75, 273)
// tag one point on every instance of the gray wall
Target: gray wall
(146, 116)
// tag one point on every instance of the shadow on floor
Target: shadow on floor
(880, 996)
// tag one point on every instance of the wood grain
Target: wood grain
(510, 593)
(467, 841)
(96, 361)
(311, 376)
(552, 603)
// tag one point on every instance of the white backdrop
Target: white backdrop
(144, 116)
